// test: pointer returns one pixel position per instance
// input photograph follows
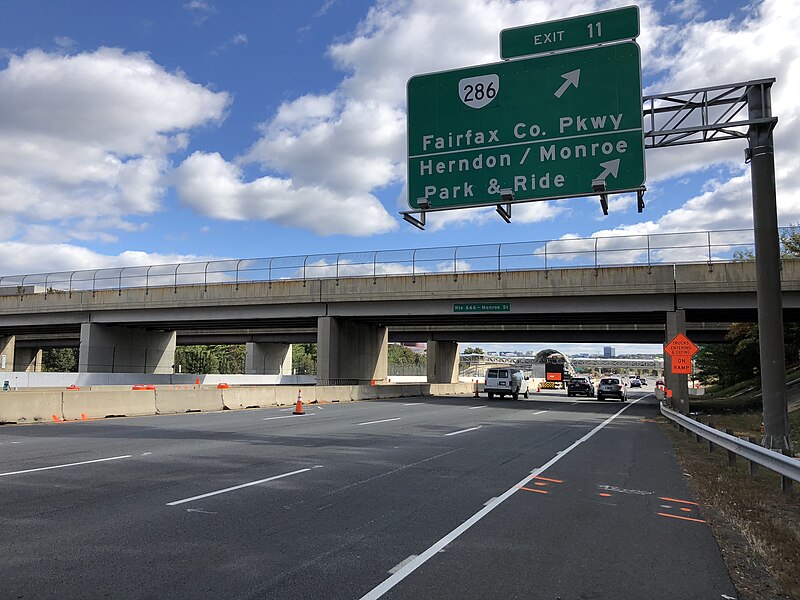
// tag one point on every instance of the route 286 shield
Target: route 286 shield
(477, 92)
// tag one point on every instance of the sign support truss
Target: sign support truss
(702, 115)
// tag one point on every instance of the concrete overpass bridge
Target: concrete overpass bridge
(135, 327)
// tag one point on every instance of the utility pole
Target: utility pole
(761, 152)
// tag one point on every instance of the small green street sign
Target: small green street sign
(575, 32)
(482, 307)
(541, 128)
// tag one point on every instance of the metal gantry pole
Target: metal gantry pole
(768, 269)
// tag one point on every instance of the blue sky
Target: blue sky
(159, 131)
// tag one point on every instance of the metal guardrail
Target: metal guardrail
(610, 251)
(785, 466)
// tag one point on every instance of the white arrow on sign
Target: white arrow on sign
(610, 167)
(572, 78)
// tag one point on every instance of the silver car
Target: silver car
(612, 387)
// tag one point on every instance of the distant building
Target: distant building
(609, 352)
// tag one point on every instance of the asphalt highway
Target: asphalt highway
(445, 498)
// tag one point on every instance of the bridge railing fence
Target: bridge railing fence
(568, 252)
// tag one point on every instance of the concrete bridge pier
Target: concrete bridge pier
(27, 360)
(442, 362)
(351, 352)
(268, 359)
(114, 349)
(679, 384)
(7, 344)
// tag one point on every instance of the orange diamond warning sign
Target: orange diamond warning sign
(680, 346)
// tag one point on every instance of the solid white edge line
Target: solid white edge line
(85, 462)
(463, 431)
(381, 421)
(236, 487)
(406, 570)
(287, 417)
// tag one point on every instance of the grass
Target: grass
(756, 525)
(739, 407)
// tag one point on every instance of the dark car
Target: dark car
(612, 387)
(580, 386)
(636, 382)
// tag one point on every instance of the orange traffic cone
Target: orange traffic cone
(476, 389)
(298, 409)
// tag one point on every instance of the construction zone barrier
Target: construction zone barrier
(101, 402)
(82, 406)
(172, 401)
(30, 407)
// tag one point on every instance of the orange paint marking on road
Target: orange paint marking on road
(533, 490)
(550, 480)
(682, 518)
(676, 500)
(686, 509)
(539, 483)
(604, 495)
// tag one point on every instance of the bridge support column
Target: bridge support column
(28, 360)
(112, 349)
(351, 352)
(679, 384)
(268, 359)
(7, 353)
(442, 362)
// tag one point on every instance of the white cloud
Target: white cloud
(214, 187)
(21, 257)
(200, 10)
(239, 39)
(686, 9)
(89, 135)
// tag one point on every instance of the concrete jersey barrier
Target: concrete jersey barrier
(101, 404)
(180, 401)
(30, 407)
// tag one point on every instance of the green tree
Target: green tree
(60, 360)
(304, 359)
(222, 359)
(400, 355)
(472, 350)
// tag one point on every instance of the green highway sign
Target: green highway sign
(482, 307)
(540, 128)
(575, 32)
